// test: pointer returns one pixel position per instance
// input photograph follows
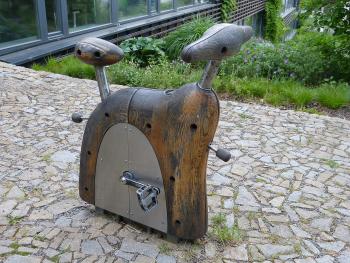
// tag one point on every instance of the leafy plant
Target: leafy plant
(227, 7)
(189, 32)
(329, 14)
(163, 75)
(143, 50)
(273, 23)
(309, 59)
(175, 74)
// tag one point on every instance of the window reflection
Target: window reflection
(17, 21)
(87, 13)
(131, 8)
(184, 2)
(53, 15)
(166, 4)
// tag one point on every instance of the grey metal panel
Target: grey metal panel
(144, 164)
(42, 20)
(110, 194)
(126, 148)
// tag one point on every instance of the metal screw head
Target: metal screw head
(123, 180)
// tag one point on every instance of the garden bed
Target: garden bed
(309, 73)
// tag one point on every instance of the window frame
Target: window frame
(43, 36)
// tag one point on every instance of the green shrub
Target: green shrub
(294, 60)
(189, 32)
(334, 50)
(163, 75)
(143, 50)
(69, 66)
(175, 74)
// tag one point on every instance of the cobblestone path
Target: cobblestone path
(286, 194)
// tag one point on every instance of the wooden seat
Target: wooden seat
(219, 41)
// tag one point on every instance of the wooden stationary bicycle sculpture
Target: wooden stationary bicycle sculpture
(144, 152)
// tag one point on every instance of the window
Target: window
(165, 5)
(87, 13)
(53, 15)
(184, 2)
(131, 8)
(18, 23)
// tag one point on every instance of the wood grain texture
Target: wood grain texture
(179, 126)
(182, 126)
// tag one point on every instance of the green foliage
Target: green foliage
(69, 66)
(334, 96)
(227, 7)
(329, 14)
(273, 23)
(163, 75)
(285, 92)
(189, 32)
(332, 49)
(175, 74)
(310, 58)
(224, 234)
(285, 60)
(143, 50)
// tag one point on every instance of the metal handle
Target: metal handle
(146, 193)
(222, 154)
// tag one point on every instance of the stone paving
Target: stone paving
(286, 191)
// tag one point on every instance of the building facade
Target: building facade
(33, 29)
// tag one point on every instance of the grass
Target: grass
(15, 246)
(176, 40)
(297, 248)
(14, 220)
(175, 74)
(69, 66)
(164, 248)
(224, 234)
(331, 163)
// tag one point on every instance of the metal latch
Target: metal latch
(146, 193)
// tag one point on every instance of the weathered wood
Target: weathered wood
(182, 125)
(179, 125)
(111, 111)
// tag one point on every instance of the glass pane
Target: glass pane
(153, 6)
(53, 15)
(184, 2)
(17, 22)
(87, 13)
(166, 4)
(200, 1)
(131, 8)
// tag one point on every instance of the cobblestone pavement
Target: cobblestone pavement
(286, 194)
